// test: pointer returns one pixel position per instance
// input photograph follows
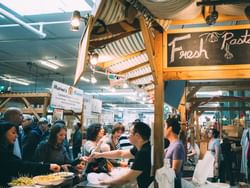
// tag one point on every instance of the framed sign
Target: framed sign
(224, 46)
(66, 97)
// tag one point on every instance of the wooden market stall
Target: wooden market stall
(141, 46)
(30, 103)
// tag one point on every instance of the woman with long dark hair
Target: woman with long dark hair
(54, 151)
(10, 165)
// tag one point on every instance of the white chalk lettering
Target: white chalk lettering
(228, 39)
(176, 49)
(194, 54)
(188, 54)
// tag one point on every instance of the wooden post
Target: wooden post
(45, 106)
(197, 127)
(26, 102)
(4, 102)
(158, 128)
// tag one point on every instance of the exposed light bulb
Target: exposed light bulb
(85, 79)
(94, 58)
(125, 85)
(75, 22)
(93, 80)
(49, 64)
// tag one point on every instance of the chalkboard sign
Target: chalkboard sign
(230, 47)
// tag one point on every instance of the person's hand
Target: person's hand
(123, 164)
(105, 182)
(85, 159)
(65, 167)
(55, 168)
(216, 165)
(95, 155)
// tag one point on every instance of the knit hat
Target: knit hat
(43, 120)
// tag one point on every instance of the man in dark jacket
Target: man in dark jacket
(77, 140)
(33, 139)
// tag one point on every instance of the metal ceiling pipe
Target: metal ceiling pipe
(221, 2)
(22, 23)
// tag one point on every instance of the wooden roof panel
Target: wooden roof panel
(144, 80)
(134, 61)
(127, 45)
(140, 71)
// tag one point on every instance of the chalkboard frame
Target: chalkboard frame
(197, 30)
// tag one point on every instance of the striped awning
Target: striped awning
(113, 12)
(124, 65)
(127, 45)
(137, 72)
(144, 80)
(166, 9)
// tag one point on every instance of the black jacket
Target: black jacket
(30, 143)
(11, 166)
(77, 143)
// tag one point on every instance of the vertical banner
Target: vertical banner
(83, 50)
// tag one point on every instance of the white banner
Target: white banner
(96, 106)
(66, 97)
(87, 105)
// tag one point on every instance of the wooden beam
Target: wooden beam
(30, 107)
(107, 64)
(27, 110)
(45, 106)
(223, 108)
(218, 83)
(116, 29)
(220, 99)
(158, 126)
(148, 40)
(221, 85)
(194, 106)
(128, 27)
(206, 74)
(27, 95)
(201, 20)
(140, 76)
(4, 102)
(225, 88)
(192, 92)
(133, 68)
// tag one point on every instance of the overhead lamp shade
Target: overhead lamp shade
(93, 80)
(94, 58)
(211, 19)
(247, 12)
(74, 28)
(75, 20)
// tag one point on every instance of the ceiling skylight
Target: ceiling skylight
(33, 7)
